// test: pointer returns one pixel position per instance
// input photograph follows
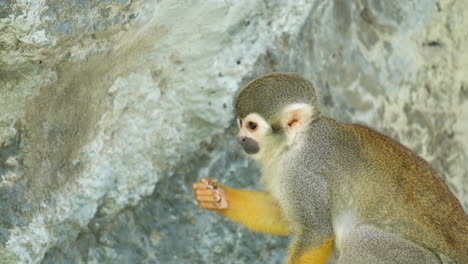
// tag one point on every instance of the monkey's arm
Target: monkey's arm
(256, 210)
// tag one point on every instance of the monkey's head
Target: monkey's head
(271, 111)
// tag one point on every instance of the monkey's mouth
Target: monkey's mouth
(249, 145)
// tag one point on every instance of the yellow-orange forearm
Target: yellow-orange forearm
(256, 210)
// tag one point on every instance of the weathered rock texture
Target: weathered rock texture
(111, 108)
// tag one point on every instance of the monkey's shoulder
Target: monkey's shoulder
(386, 152)
(329, 139)
(340, 142)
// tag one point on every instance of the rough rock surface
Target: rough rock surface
(111, 108)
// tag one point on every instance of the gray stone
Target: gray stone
(110, 109)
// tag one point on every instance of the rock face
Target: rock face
(111, 108)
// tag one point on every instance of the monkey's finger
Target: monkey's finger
(212, 183)
(207, 180)
(211, 198)
(200, 186)
(206, 205)
(208, 192)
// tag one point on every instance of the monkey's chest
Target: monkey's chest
(279, 188)
(272, 180)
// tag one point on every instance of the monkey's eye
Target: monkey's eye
(240, 122)
(252, 125)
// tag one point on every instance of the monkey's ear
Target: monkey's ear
(295, 116)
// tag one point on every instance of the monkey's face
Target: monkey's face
(261, 139)
(253, 130)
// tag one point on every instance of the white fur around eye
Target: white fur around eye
(262, 126)
(239, 122)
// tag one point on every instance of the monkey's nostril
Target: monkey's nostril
(241, 139)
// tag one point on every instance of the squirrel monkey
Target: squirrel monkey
(338, 188)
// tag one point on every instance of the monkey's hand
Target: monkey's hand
(210, 194)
